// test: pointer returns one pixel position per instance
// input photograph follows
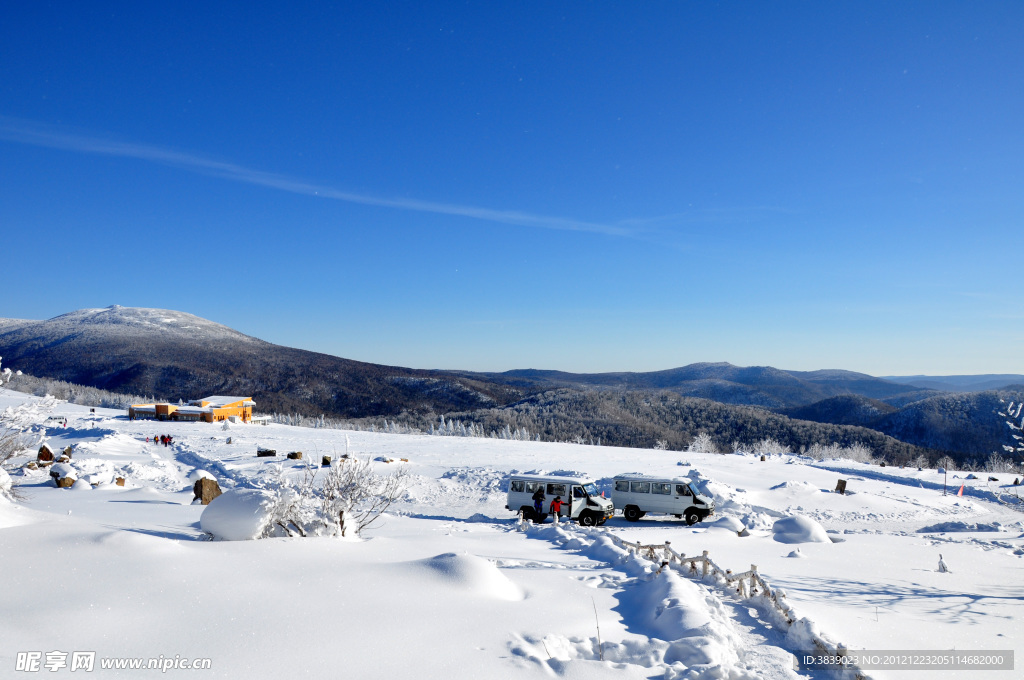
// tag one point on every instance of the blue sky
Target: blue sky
(580, 186)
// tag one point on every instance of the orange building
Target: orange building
(210, 410)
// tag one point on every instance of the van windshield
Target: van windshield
(591, 489)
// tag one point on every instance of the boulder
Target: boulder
(265, 453)
(119, 481)
(64, 476)
(325, 461)
(205, 490)
(295, 455)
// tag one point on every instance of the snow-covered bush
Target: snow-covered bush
(702, 443)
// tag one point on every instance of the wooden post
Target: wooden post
(705, 570)
(753, 579)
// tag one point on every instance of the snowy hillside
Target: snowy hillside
(450, 585)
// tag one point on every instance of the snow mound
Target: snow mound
(799, 529)
(62, 470)
(957, 526)
(5, 482)
(473, 574)
(729, 523)
(795, 553)
(200, 474)
(238, 514)
(795, 486)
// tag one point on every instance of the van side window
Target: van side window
(518, 485)
(659, 487)
(556, 490)
(621, 485)
(577, 492)
(640, 487)
(532, 486)
(682, 490)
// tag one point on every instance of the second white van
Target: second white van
(636, 495)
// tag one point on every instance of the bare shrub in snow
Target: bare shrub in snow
(824, 451)
(16, 433)
(946, 463)
(661, 445)
(702, 443)
(769, 446)
(349, 497)
(997, 463)
(858, 452)
(354, 497)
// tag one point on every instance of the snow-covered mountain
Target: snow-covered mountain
(175, 355)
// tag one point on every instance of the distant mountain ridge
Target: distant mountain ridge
(961, 383)
(754, 385)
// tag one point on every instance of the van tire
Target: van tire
(632, 513)
(531, 515)
(692, 517)
(587, 519)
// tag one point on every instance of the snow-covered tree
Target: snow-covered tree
(1015, 421)
(702, 443)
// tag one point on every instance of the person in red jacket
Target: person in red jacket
(556, 506)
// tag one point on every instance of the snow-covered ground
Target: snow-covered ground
(447, 586)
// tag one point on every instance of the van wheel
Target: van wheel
(632, 513)
(587, 519)
(692, 518)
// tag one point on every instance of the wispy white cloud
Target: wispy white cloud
(34, 134)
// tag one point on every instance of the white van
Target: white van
(638, 495)
(582, 501)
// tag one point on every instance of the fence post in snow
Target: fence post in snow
(705, 568)
(753, 579)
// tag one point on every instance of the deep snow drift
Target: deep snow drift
(448, 586)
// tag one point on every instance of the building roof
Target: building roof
(192, 409)
(223, 400)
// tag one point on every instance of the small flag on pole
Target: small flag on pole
(961, 491)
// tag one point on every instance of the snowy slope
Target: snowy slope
(449, 587)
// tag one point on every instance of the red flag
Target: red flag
(961, 491)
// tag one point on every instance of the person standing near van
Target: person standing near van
(556, 506)
(538, 499)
